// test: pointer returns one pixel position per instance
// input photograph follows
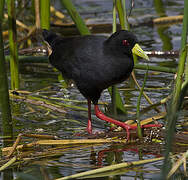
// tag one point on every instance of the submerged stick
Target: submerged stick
(110, 168)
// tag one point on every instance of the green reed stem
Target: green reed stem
(155, 68)
(75, 17)
(44, 59)
(4, 94)
(14, 68)
(114, 89)
(117, 103)
(45, 14)
(186, 70)
(174, 106)
(121, 13)
(138, 106)
(127, 25)
(114, 26)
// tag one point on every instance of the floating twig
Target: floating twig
(168, 20)
(19, 23)
(9, 163)
(110, 168)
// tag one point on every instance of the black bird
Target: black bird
(94, 63)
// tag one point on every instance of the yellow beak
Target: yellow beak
(139, 52)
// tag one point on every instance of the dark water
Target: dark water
(42, 81)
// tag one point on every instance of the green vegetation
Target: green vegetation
(45, 14)
(53, 104)
(14, 67)
(4, 94)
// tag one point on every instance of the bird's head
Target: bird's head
(126, 42)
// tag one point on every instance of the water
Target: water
(42, 81)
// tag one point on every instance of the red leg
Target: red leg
(89, 125)
(101, 116)
(127, 127)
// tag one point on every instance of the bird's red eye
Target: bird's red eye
(125, 42)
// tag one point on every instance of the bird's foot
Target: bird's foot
(134, 127)
(151, 125)
(125, 126)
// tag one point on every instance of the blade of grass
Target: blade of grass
(138, 106)
(13, 45)
(127, 26)
(75, 17)
(114, 25)
(117, 102)
(113, 88)
(121, 13)
(4, 94)
(45, 14)
(175, 103)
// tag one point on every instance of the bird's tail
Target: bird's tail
(49, 36)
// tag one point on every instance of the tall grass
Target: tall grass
(117, 103)
(4, 94)
(173, 110)
(114, 89)
(14, 67)
(45, 14)
(75, 17)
